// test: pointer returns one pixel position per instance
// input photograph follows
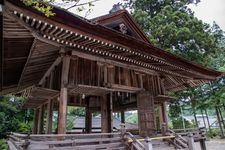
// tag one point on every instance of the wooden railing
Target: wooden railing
(179, 142)
(132, 142)
(68, 141)
(80, 130)
(192, 135)
(120, 140)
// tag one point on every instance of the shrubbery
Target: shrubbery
(213, 132)
(3, 144)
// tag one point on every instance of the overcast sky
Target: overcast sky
(206, 10)
(211, 10)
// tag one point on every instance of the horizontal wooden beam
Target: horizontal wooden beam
(124, 88)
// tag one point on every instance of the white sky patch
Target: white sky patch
(100, 8)
(211, 10)
(206, 10)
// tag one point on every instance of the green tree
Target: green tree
(12, 117)
(46, 6)
(171, 26)
(174, 28)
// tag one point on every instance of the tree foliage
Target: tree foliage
(46, 6)
(12, 116)
(172, 26)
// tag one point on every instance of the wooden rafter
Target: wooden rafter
(29, 56)
(111, 62)
(155, 58)
(48, 72)
(92, 45)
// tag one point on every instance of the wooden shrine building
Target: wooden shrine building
(106, 64)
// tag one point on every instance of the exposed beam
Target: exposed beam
(160, 70)
(35, 33)
(112, 62)
(55, 43)
(28, 59)
(124, 88)
(115, 38)
(48, 72)
(15, 58)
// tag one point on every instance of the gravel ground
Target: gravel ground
(213, 144)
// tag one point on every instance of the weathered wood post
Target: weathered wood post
(122, 129)
(191, 144)
(63, 95)
(106, 113)
(122, 116)
(1, 42)
(35, 122)
(202, 138)
(165, 115)
(40, 120)
(164, 128)
(49, 117)
(148, 144)
(88, 117)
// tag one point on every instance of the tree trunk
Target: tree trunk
(218, 118)
(207, 118)
(221, 116)
(203, 118)
(194, 111)
(196, 121)
(224, 107)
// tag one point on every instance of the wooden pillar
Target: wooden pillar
(164, 113)
(110, 113)
(40, 120)
(63, 95)
(35, 122)
(1, 43)
(106, 113)
(161, 117)
(146, 122)
(88, 118)
(49, 117)
(122, 116)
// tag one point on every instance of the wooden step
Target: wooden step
(181, 143)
